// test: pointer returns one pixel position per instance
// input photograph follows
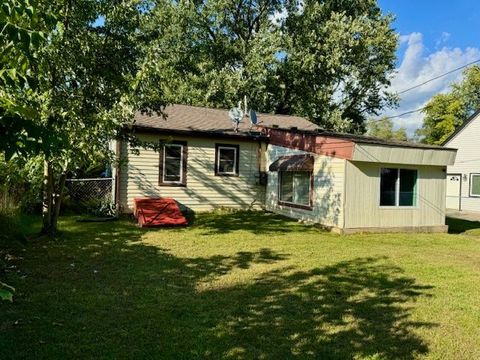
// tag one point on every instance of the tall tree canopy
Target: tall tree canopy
(383, 128)
(328, 60)
(445, 112)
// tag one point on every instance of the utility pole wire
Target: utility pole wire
(421, 84)
(437, 77)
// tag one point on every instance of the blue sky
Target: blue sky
(435, 37)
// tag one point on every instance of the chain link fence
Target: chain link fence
(93, 196)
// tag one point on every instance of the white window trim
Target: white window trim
(181, 164)
(219, 149)
(397, 190)
(470, 185)
(293, 190)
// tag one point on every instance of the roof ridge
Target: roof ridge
(224, 109)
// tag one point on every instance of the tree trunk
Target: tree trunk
(52, 199)
(58, 201)
(47, 197)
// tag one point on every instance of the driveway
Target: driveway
(464, 215)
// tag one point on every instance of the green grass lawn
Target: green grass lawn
(242, 286)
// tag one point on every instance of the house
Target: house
(463, 177)
(287, 165)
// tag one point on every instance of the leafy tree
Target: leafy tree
(216, 51)
(383, 128)
(339, 57)
(89, 78)
(445, 112)
(22, 31)
(329, 60)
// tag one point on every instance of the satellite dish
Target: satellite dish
(236, 115)
(253, 117)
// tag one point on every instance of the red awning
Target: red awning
(302, 162)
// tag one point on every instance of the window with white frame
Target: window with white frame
(173, 164)
(294, 187)
(475, 185)
(398, 187)
(226, 160)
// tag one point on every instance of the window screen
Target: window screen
(295, 187)
(388, 184)
(408, 187)
(172, 163)
(398, 187)
(226, 161)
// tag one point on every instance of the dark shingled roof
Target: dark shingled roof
(202, 121)
(185, 118)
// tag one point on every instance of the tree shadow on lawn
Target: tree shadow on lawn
(124, 299)
(257, 222)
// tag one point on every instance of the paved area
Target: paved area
(464, 215)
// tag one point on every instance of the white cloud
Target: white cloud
(443, 39)
(419, 65)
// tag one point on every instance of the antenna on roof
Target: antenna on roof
(253, 119)
(236, 115)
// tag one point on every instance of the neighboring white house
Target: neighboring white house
(463, 178)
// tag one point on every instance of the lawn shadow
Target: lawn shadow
(104, 293)
(257, 222)
(351, 309)
(458, 226)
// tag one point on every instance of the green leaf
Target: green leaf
(36, 38)
(6, 291)
(7, 9)
(6, 295)
(29, 11)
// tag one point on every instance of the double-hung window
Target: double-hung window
(398, 187)
(226, 160)
(294, 188)
(173, 161)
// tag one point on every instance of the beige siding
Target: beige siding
(467, 161)
(402, 155)
(362, 199)
(204, 190)
(328, 189)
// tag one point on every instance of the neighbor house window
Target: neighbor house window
(398, 187)
(475, 185)
(173, 164)
(226, 160)
(294, 188)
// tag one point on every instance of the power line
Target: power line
(438, 77)
(400, 115)
(424, 83)
(405, 113)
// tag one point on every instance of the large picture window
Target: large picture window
(226, 160)
(294, 188)
(173, 160)
(475, 185)
(398, 187)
